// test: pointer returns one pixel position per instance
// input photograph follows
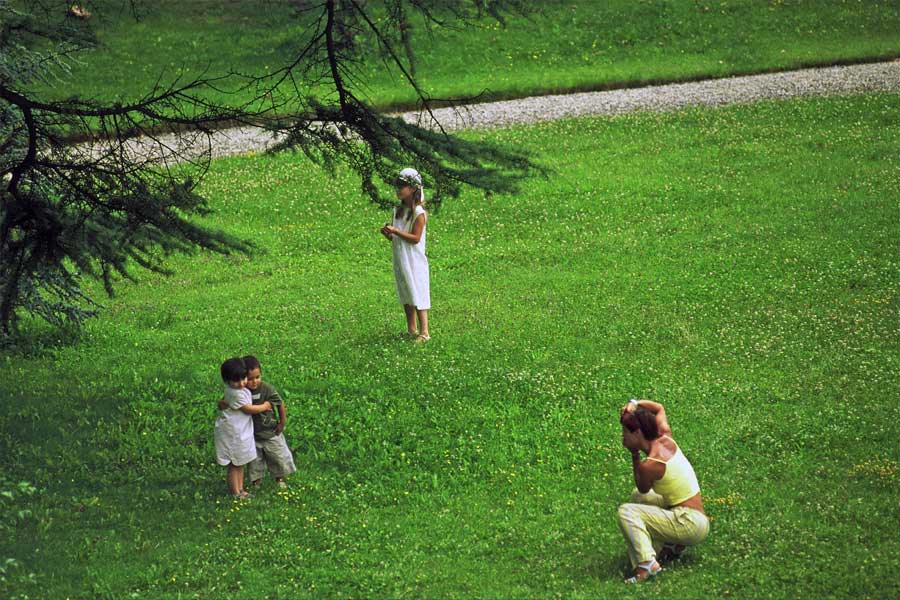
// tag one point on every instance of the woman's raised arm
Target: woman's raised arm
(662, 423)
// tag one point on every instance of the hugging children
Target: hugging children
(248, 430)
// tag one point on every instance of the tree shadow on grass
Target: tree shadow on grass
(33, 340)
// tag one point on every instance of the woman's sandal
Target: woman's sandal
(650, 573)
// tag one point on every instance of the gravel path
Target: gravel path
(874, 77)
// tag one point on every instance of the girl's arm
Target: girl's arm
(415, 235)
(253, 409)
(223, 405)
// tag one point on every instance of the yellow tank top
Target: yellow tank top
(679, 482)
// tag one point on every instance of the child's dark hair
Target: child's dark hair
(641, 419)
(251, 362)
(233, 369)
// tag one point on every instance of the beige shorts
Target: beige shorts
(272, 454)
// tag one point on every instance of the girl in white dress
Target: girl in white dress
(407, 235)
(235, 446)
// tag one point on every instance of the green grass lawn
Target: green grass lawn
(740, 265)
(567, 46)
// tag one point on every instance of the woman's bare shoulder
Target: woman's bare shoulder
(664, 448)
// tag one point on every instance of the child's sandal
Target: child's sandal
(422, 338)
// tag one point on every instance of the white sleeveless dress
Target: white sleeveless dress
(411, 264)
(234, 430)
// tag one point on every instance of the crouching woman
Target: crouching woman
(666, 513)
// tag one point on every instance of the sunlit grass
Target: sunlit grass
(565, 46)
(739, 265)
